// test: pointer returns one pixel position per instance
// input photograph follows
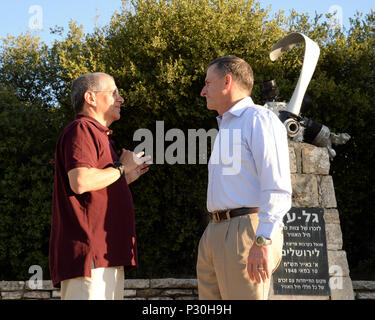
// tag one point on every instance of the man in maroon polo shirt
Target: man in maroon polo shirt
(93, 237)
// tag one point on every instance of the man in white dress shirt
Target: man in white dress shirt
(249, 189)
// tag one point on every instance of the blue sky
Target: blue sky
(18, 16)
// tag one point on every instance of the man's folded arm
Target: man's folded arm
(83, 180)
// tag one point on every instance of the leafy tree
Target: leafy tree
(28, 134)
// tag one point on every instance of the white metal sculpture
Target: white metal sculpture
(302, 128)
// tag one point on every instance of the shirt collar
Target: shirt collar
(240, 106)
(237, 109)
(96, 123)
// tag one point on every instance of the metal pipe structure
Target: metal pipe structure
(300, 128)
(310, 61)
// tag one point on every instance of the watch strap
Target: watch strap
(119, 165)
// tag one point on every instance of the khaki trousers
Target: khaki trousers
(104, 284)
(222, 260)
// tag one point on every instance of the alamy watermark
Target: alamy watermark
(226, 150)
(336, 19)
(36, 280)
(336, 280)
(36, 20)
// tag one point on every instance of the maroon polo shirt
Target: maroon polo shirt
(95, 226)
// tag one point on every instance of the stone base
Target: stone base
(313, 187)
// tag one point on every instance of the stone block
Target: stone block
(327, 197)
(137, 283)
(297, 154)
(364, 285)
(12, 285)
(174, 283)
(37, 295)
(338, 263)
(130, 293)
(334, 236)
(292, 160)
(177, 292)
(315, 160)
(305, 190)
(11, 295)
(365, 295)
(47, 285)
(331, 216)
(147, 293)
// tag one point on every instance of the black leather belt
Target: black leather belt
(222, 215)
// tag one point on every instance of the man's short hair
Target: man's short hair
(86, 82)
(239, 69)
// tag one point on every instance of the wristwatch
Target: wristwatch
(118, 165)
(262, 241)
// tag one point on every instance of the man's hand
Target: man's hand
(258, 263)
(136, 173)
(132, 161)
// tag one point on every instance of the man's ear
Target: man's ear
(90, 98)
(228, 81)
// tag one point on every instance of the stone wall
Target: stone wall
(143, 289)
(134, 289)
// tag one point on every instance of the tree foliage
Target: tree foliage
(158, 52)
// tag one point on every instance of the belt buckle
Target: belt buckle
(216, 218)
(227, 214)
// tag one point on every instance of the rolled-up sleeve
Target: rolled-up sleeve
(269, 146)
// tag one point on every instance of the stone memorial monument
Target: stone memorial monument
(314, 266)
(313, 198)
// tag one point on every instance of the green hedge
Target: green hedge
(158, 51)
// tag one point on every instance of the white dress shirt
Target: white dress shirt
(249, 165)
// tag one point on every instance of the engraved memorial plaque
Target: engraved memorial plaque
(304, 266)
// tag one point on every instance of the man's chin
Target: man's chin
(211, 107)
(116, 117)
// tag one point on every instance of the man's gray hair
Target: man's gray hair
(86, 82)
(238, 68)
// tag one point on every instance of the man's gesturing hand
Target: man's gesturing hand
(132, 161)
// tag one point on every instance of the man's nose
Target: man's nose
(121, 99)
(203, 92)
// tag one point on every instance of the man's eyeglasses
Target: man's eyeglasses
(115, 93)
